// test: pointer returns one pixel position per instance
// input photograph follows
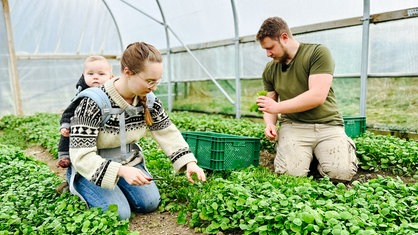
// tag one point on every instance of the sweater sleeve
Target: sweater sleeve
(68, 113)
(84, 130)
(170, 139)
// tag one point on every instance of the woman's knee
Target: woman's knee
(124, 213)
(147, 205)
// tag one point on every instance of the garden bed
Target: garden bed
(381, 200)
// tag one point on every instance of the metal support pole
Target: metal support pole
(167, 28)
(13, 61)
(116, 25)
(169, 80)
(237, 64)
(364, 57)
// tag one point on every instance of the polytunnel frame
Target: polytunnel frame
(236, 39)
(366, 20)
(168, 30)
(13, 60)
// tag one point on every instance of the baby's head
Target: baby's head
(97, 70)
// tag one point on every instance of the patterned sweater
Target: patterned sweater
(87, 137)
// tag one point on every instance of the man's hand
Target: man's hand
(267, 104)
(270, 132)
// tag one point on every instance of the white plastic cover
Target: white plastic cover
(48, 35)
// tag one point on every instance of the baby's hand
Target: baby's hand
(65, 132)
(64, 163)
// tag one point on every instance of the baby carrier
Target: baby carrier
(102, 100)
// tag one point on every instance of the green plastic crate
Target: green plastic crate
(216, 151)
(354, 126)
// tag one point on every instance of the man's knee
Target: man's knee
(335, 172)
(283, 167)
(337, 159)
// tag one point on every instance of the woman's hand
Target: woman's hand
(133, 176)
(193, 168)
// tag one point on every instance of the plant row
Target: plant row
(375, 152)
(248, 201)
(257, 201)
(29, 203)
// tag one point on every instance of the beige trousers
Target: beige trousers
(298, 143)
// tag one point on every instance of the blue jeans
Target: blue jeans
(142, 199)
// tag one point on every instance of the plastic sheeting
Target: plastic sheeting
(51, 39)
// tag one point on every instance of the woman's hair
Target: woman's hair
(134, 58)
(273, 27)
(137, 54)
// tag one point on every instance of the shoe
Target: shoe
(62, 188)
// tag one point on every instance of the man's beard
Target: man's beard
(284, 58)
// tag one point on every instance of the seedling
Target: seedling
(254, 107)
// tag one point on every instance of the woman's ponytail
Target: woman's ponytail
(147, 113)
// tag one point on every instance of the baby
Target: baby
(97, 70)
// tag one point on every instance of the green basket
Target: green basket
(216, 151)
(354, 126)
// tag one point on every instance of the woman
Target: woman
(102, 174)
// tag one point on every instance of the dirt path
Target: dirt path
(147, 224)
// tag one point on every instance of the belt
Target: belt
(115, 154)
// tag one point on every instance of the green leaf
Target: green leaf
(86, 226)
(332, 214)
(261, 93)
(307, 217)
(182, 217)
(385, 211)
(214, 205)
(413, 225)
(297, 222)
(203, 215)
(345, 215)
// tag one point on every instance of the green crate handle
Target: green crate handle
(239, 144)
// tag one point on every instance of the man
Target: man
(299, 93)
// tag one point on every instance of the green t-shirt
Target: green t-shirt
(309, 59)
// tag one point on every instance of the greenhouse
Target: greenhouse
(212, 72)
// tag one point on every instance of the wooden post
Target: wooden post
(13, 62)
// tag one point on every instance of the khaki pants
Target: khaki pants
(299, 142)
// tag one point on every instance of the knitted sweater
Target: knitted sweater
(87, 137)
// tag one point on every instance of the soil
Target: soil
(165, 223)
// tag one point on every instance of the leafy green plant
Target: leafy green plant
(388, 153)
(30, 204)
(249, 201)
(41, 128)
(254, 106)
(256, 201)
